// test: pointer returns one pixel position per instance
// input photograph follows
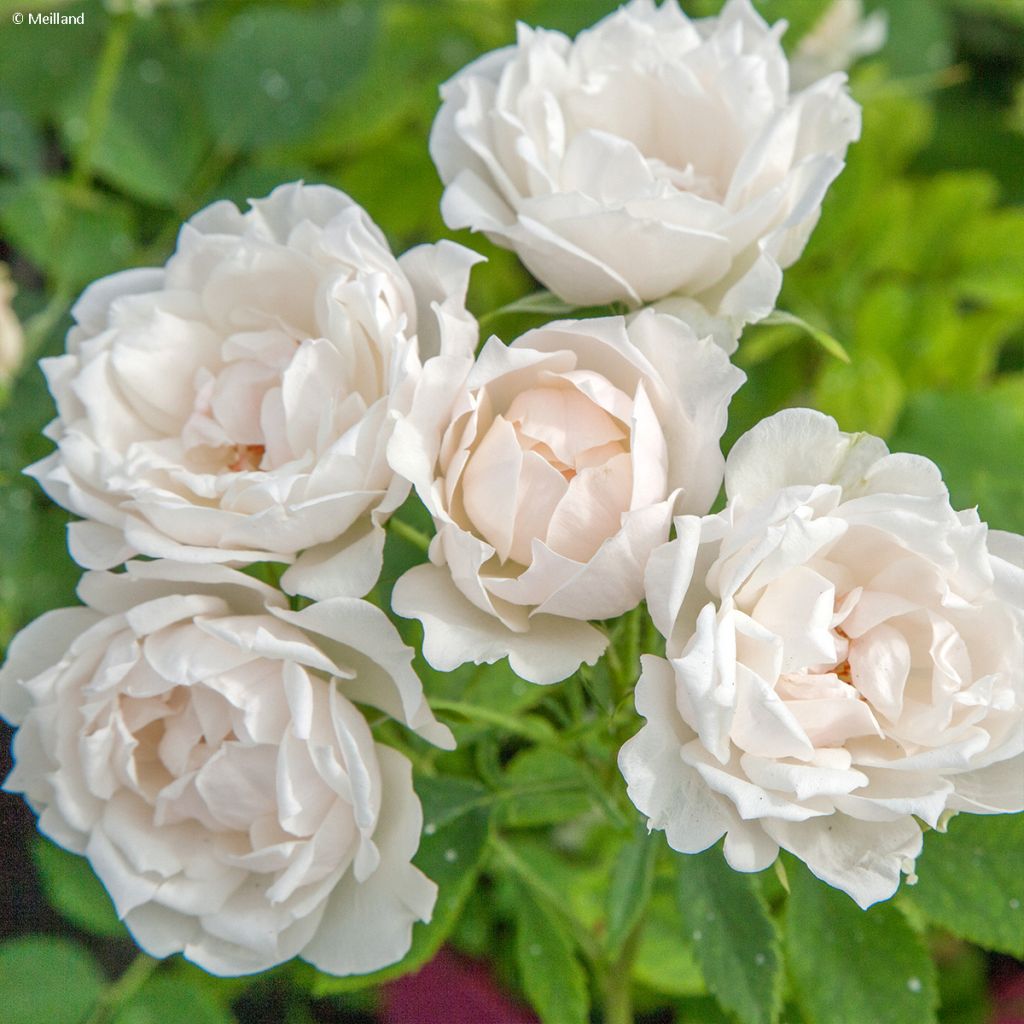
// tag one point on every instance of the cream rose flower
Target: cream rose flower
(552, 471)
(235, 405)
(651, 156)
(845, 656)
(841, 37)
(197, 741)
(12, 337)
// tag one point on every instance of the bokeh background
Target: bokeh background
(114, 131)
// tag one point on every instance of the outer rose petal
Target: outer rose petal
(31, 651)
(669, 792)
(368, 925)
(386, 679)
(864, 859)
(456, 632)
(797, 446)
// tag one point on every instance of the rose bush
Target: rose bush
(652, 156)
(197, 741)
(552, 468)
(845, 655)
(235, 405)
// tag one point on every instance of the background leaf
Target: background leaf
(970, 880)
(631, 885)
(850, 966)
(665, 960)
(551, 974)
(73, 889)
(557, 784)
(735, 940)
(47, 980)
(168, 998)
(154, 138)
(960, 432)
(275, 70)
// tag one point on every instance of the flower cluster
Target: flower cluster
(844, 652)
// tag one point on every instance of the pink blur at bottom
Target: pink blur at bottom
(450, 990)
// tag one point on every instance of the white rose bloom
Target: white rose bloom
(651, 156)
(235, 405)
(197, 741)
(845, 656)
(552, 471)
(839, 39)
(12, 338)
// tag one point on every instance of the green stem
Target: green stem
(409, 533)
(118, 993)
(537, 729)
(267, 572)
(553, 899)
(618, 983)
(111, 61)
(631, 647)
(573, 689)
(39, 326)
(615, 666)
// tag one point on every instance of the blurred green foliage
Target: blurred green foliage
(113, 132)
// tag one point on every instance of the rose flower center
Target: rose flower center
(555, 467)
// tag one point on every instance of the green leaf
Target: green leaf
(73, 889)
(973, 130)
(572, 889)
(823, 338)
(572, 17)
(868, 395)
(665, 960)
(450, 856)
(275, 71)
(446, 799)
(800, 17)
(850, 966)
(403, 168)
(735, 940)
(537, 302)
(631, 886)
(558, 788)
(47, 981)
(963, 983)
(970, 881)
(172, 999)
(42, 65)
(551, 974)
(993, 259)
(484, 697)
(976, 440)
(153, 140)
(22, 151)
(701, 1010)
(919, 38)
(75, 236)
(531, 727)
